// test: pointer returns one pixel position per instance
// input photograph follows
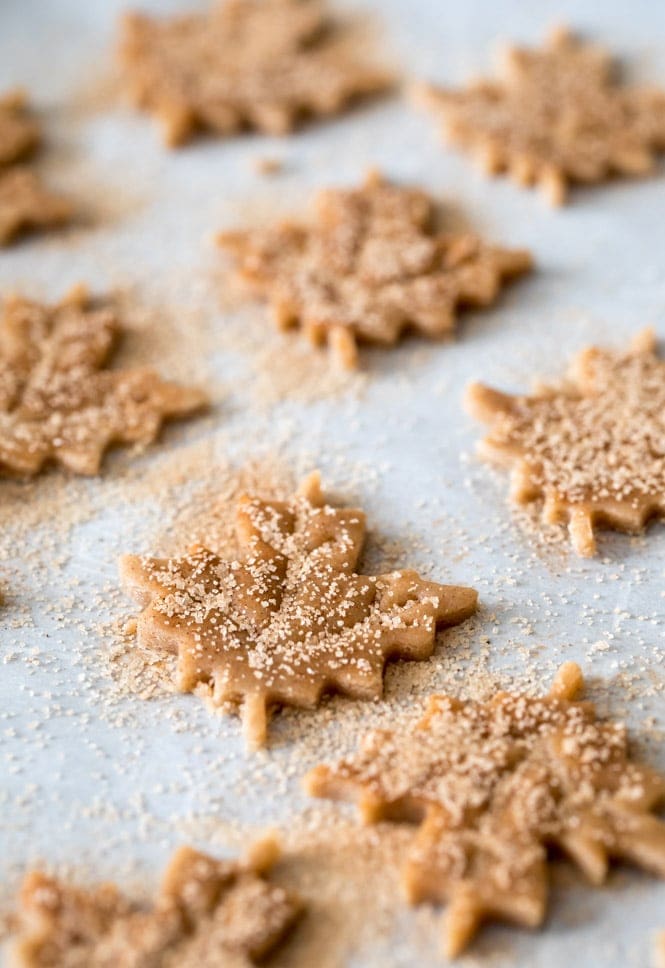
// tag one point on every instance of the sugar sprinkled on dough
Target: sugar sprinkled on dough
(592, 446)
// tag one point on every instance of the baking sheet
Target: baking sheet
(93, 777)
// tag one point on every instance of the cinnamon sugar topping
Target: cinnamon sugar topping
(289, 619)
(247, 63)
(208, 913)
(370, 266)
(592, 447)
(58, 403)
(492, 785)
(556, 116)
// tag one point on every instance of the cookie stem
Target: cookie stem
(254, 721)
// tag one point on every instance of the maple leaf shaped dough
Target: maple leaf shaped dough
(290, 618)
(492, 785)
(19, 133)
(58, 403)
(592, 447)
(208, 913)
(247, 63)
(556, 116)
(371, 266)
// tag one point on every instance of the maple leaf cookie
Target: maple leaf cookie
(556, 116)
(492, 785)
(261, 64)
(371, 265)
(289, 619)
(592, 447)
(208, 913)
(58, 401)
(25, 204)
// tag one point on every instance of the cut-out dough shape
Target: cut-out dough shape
(208, 913)
(25, 203)
(58, 401)
(289, 619)
(556, 116)
(263, 64)
(592, 447)
(492, 785)
(371, 265)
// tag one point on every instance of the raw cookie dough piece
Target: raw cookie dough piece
(492, 785)
(556, 116)
(25, 204)
(371, 265)
(247, 63)
(208, 913)
(592, 447)
(289, 619)
(19, 133)
(59, 403)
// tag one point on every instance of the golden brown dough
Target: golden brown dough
(289, 619)
(25, 203)
(208, 913)
(492, 785)
(592, 447)
(555, 116)
(245, 64)
(58, 401)
(370, 266)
